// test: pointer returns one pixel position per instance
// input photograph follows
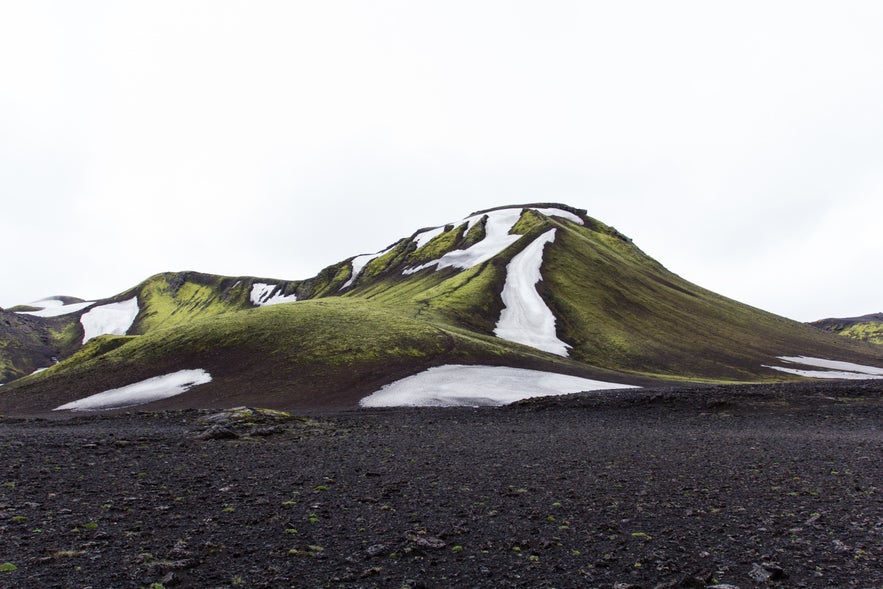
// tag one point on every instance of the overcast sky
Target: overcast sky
(738, 143)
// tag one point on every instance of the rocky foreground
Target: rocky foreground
(760, 486)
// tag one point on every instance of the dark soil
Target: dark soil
(755, 486)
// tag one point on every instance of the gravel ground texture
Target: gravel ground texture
(727, 486)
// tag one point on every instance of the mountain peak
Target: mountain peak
(540, 286)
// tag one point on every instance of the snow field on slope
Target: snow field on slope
(145, 391)
(497, 238)
(459, 385)
(110, 319)
(262, 295)
(358, 264)
(525, 318)
(834, 368)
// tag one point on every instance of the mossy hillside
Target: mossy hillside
(173, 299)
(319, 353)
(867, 328)
(392, 259)
(28, 343)
(622, 310)
(867, 332)
(449, 239)
(327, 283)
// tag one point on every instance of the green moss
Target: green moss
(476, 233)
(529, 221)
(438, 246)
(381, 264)
(172, 300)
(871, 331)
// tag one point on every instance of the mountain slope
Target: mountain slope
(539, 285)
(867, 328)
(312, 354)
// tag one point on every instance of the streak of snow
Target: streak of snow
(262, 295)
(497, 238)
(561, 213)
(358, 264)
(110, 319)
(145, 391)
(837, 369)
(459, 385)
(425, 237)
(55, 308)
(525, 318)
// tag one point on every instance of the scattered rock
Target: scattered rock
(767, 571)
(217, 432)
(424, 541)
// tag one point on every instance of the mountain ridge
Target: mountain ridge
(617, 312)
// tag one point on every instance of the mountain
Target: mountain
(541, 286)
(868, 328)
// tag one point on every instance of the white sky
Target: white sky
(739, 143)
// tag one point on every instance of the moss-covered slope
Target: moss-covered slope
(324, 353)
(427, 299)
(867, 328)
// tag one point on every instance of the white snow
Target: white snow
(110, 319)
(497, 238)
(561, 213)
(262, 295)
(525, 318)
(53, 307)
(459, 385)
(837, 369)
(358, 264)
(425, 237)
(145, 391)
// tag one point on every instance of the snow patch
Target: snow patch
(262, 295)
(525, 318)
(53, 307)
(458, 385)
(835, 368)
(145, 391)
(425, 237)
(497, 238)
(358, 264)
(560, 213)
(110, 319)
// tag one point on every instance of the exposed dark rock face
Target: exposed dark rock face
(675, 488)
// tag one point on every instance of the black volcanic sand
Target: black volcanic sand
(750, 486)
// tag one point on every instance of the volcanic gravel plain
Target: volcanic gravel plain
(728, 486)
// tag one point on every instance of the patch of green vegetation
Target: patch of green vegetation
(871, 331)
(170, 300)
(476, 233)
(8, 567)
(621, 310)
(438, 246)
(326, 283)
(529, 221)
(390, 259)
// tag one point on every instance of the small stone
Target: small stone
(217, 432)
(375, 549)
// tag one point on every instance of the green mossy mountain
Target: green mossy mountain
(867, 328)
(624, 316)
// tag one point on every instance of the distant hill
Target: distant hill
(541, 286)
(868, 328)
